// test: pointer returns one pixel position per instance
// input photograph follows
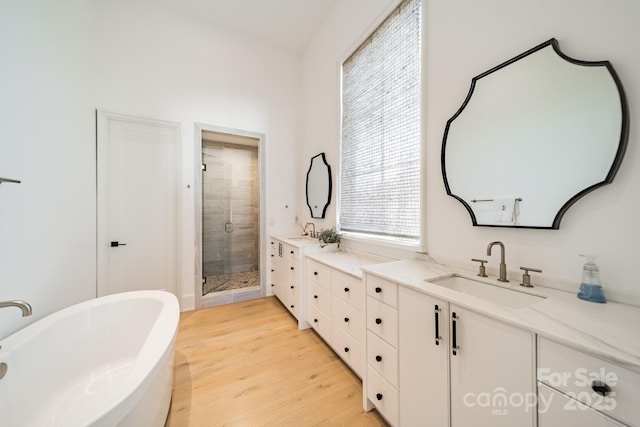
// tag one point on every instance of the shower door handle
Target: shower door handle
(228, 227)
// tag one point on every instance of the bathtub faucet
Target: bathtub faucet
(25, 307)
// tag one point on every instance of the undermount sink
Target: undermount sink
(504, 296)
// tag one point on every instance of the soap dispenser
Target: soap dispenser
(590, 287)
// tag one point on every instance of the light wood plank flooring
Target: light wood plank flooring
(246, 364)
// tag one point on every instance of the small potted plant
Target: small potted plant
(329, 237)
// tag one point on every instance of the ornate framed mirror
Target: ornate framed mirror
(535, 134)
(318, 186)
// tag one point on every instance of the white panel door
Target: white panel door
(138, 204)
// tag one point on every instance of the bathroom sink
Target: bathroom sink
(503, 296)
(298, 238)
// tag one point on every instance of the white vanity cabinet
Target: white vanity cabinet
(335, 304)
(454, 366)
(424, 359)
(382, 381)
(584, 390)
(287, 277)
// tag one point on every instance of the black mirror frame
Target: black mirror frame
(622, 146)
(324, 209)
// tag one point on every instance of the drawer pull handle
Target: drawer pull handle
(315, 273)
(315, 320)
(315, 296)
(437, 311)
(454, 344)
(600, 387)
(291, 305)
(272, 270)
(378, 358)
(346, 349)
(291, 268)
(291, 286)
(378, 290)
(346, 289)
(272, 285)
(379, 396)
(378, 321)
(291, 252)
(346, 319)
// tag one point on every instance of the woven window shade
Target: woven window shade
(380, 158)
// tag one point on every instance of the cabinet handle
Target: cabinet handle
(291, 286)
(272, 255)
(378, 321)
(315, 273)
(292, 268)
(291, 305)
(437, 314)
(315, 320)
(454, 344)
(346, 319)
(379, 396)
(315, 296)
(378, 358)
(346, 349)
(346, 289)
(600, 387)
(378, 290)
(272, 270)
(291, 252)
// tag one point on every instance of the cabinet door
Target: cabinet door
(556, 409)
(492, 372)
(424, 367)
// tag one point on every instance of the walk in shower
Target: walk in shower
(230, 213)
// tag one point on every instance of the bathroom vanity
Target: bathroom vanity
(453, 355)
(336, 303)
(286, 272)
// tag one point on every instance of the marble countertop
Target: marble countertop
(611, 330)
(298, 241)
(350, 262)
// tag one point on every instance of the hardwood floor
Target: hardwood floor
(247, 364)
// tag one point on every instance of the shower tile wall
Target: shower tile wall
(230, 193)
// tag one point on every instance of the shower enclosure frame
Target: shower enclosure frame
(217, 298)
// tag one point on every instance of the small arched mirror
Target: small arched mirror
(318, 186)
(534, 135)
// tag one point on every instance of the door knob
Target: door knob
(116, 244)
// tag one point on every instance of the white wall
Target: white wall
(461, 40)
(465, 38)
(61, 61)
(156, 63)
(47, 140)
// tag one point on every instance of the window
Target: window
(380, 156)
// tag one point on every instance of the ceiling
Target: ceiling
(287, 24)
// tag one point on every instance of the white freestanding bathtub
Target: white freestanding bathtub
(104, 362)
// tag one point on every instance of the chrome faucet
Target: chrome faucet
(313, 233)
(503, 266)
(25, 307)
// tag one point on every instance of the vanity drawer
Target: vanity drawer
(383, 396)
(574, 373)
(319, 273)
(348, 288)
(291, 252)
(382, 320)
(348, 318)
(383, 358)
(382, 290)
(319, 297)
(348, 348)
(555, 409)
(320, 322)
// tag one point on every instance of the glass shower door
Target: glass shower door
(230, 217)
